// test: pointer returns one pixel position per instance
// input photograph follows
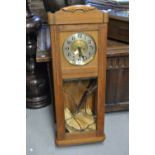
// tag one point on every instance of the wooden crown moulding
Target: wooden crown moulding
(73, 14)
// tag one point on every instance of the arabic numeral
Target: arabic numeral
(84, 58)
(73, 59)
(89, 41)
(69, 42)
(92, 47)
(79, 35)
(73, 38)
(67, 48)
(68, 54)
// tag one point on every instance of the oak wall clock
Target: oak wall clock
(78, 39)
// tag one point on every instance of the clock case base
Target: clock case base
(78, 139)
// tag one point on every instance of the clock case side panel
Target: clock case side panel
(101, 78)
(57, 77)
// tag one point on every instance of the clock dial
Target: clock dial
(79, 49)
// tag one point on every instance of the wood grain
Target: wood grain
(74, 13)
(61, 28)
(80, 140)
(102, 37)
(119, 28)
(57, 77)
(117, 89)
(120, 106)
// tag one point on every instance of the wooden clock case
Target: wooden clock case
(63, 23)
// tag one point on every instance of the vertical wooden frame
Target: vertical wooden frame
(101, 78)
(57, 77)
(58, 24)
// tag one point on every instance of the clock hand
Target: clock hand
(80, 52)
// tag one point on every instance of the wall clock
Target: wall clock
(78, 39)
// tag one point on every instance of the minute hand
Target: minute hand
(80, 52)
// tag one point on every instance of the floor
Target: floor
(40, 135)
